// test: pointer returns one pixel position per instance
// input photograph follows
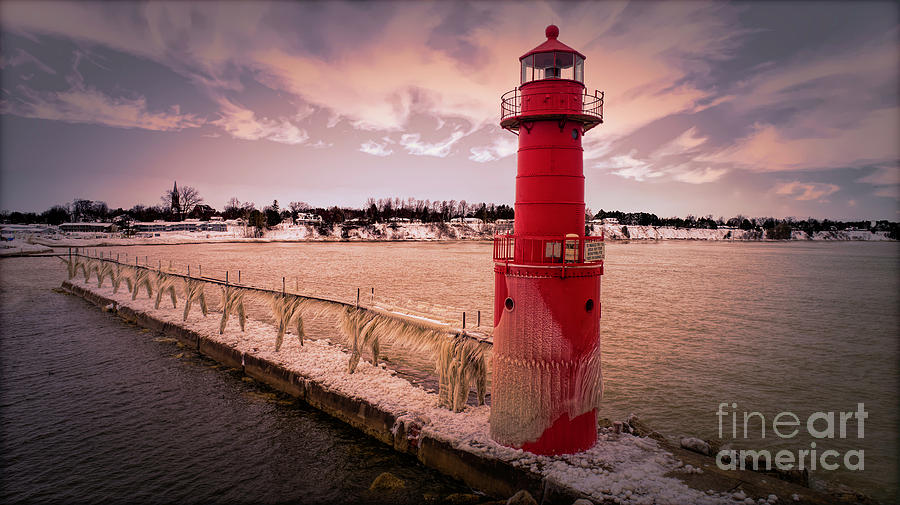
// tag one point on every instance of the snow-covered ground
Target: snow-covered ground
(16, 246)
(421, 232)
(632, 232)
(620, 468)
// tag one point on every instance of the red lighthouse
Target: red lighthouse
(546, 363)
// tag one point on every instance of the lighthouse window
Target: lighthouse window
(528, 69)
(509, 304)
(579, 68)
(565, 65)
(545, 66)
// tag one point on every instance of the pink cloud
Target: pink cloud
(376, 148)
(244, 124)
(84, 104)
(413, 144)
(805, 191)
(500, 148)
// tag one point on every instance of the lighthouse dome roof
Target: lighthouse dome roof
(551, 44)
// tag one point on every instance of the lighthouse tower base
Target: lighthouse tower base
(546, 360)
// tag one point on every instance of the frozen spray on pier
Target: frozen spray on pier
(546, 362)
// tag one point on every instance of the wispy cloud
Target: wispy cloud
(321, 144)
(699, 175)
(500, 148)
(22, 57)
(805, 191)
(629, 167)
(242, 123)
(84, 104)
(413, 144)
(376, 148)
(886, 175)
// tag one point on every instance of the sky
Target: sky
(761, 109)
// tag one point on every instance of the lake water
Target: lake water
(95, 410)
(773, 327)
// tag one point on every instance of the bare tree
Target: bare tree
(181, 200)
(81, 209)
(189, 198)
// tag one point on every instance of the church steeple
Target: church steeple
(176, 201)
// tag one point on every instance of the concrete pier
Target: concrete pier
(408, 419)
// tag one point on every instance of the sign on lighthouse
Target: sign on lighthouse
(546, 363)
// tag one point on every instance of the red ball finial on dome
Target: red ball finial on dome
(552, 32)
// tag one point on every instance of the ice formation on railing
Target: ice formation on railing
(285, 308)
(165, 284)
(233, 303)
(142, 278)
(460, 359)
(193, 290)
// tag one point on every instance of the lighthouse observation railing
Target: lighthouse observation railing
(570, 250)
(511, 104)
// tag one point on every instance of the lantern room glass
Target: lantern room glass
(552, 65)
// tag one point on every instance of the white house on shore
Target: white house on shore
(173, 226)
(308, 217)
(88, 227)
(466, 220)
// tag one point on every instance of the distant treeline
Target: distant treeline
(772, 226)
(427, 211)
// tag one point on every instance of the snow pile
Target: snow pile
(17, 246)
(850, 235)
(620, 467)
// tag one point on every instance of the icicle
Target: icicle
(232, 302)
(165, 284)
(193, 290)
(284, 309)
(142, 278)
(118, 274)
(105, 270)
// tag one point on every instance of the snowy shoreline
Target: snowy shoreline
(432, 232)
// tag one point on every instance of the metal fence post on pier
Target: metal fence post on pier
(282, 286)
(464, 320)
(239, 276)
(357, 297)
(479, 319)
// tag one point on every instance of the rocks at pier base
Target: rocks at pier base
(463, 499)
(696, 445)
(521, 498)
(387, 482)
